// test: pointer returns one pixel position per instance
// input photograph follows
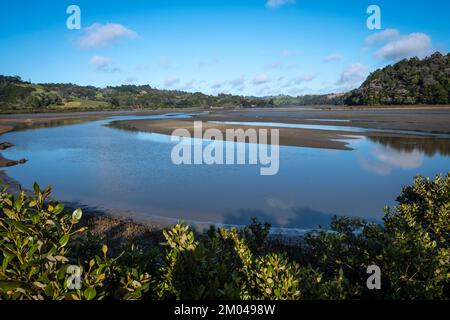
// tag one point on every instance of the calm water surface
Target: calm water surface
(132, 172)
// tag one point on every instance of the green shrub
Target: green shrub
(42, 248)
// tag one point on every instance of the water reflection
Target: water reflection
(429, 146)
(405, 153)
(298, 218)
(382, 160)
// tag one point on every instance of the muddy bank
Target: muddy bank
(12, 122)
(6, 162)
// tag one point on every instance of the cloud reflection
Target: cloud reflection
(386, 159)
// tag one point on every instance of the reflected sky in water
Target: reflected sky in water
(101, 166)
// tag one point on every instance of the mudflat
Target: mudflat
(418, 119)
(421, 119)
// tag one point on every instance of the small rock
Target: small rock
(5, 145)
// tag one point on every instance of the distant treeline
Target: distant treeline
(18, 95)
(410, 81)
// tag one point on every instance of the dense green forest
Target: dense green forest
(17, 95)
(410, 81)
(309, 100)
(46, 253)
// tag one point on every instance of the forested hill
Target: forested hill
(17, 95)
(410, 81)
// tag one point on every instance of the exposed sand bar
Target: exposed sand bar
(419, 120)
(288, 137)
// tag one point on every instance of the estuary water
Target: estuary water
(131, 173)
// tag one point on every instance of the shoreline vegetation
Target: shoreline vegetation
(41, 240)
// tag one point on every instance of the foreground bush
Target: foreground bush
(46, 255)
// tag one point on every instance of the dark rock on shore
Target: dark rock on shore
(5, 145)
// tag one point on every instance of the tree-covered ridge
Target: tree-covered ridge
(410, 81)
(18, 95)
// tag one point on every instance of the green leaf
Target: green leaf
(5, 264)
(21, 227)
(77, 214)
(90, 293)
(36, 188)
(49, 291)
(64, 239)
(59, 208)
(7, 285)
(9, 213)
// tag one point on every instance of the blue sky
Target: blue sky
(248, 47)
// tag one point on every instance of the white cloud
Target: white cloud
(278, 3)
(333, 57)
(382, 36)
(289, 53)
(141, 68)
(353, 74)
(218, 84)
(304, 78)
(131, 80)
(101, 35)
(188, 85)
(298, 80)
(208, 63)
(171, 81)
(237, 82)
(412, 45)
(104, 64)
(261, 79)
(100, 61)
(275, 65)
